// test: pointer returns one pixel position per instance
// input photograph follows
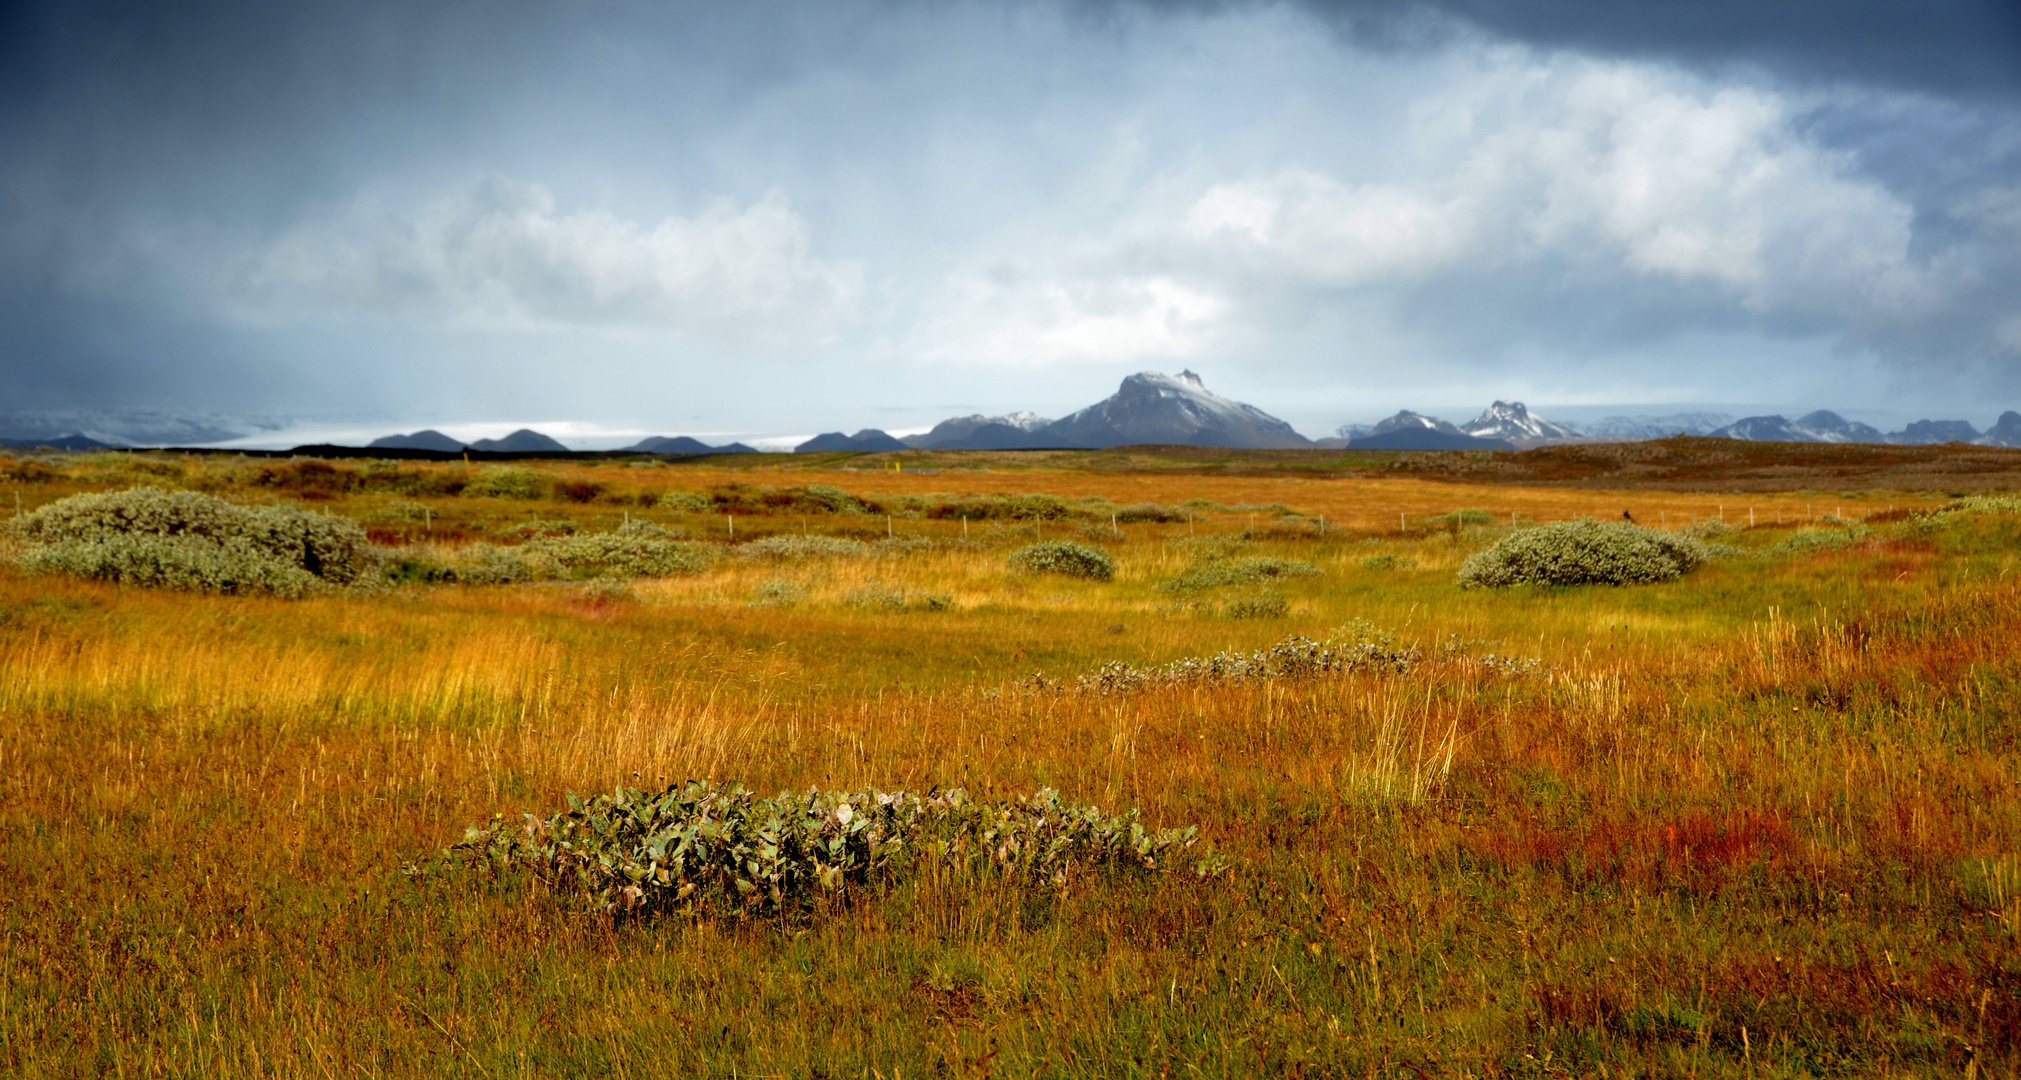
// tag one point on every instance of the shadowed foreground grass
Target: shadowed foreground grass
(1758, 822)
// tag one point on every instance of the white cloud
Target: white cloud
(1611, 169)
(503, 256)
(1598, 177)
(1001, 317)
(1306, 225)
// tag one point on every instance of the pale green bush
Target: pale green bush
(186, 540)
(610, 590)
(876, 596)
(621, 554)
(792, 549)
(702, 845)
(1583, 552)
(506, 482)
(1257, 604)
(1363, 648)
(778, 592)
(1984, 504)
(693, 502)
(1710, 529)
(1253, 570)
(487, 564)
(1064, 557)
(527, 529)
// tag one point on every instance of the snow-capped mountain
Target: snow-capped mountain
(1820, 426)
(1414, 431)
(1658, 427)
(1510, 420)
(1023, 419)
(1152, 407)
(1406, 420)
(1012, 431)
(2005, 431)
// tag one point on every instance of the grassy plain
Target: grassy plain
(1761, 821)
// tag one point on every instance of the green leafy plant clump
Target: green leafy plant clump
(1066, 557)
(1583, 552)
(186, 540)
(641, 852)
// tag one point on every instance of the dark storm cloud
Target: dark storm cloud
(368, 204)
(122, 119)
(1946, 47)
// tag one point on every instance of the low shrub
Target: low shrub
(485, 564)
(1983, 504)
(799, 499)
(789, 548)
(26, 471)
(610, 590)
(1257, 604)
(621, 554)
(1247, 571)
(777, 592)
(650, 530)
(1066, 557)
(875, 597)
(642, 853)
(1710, 529)
(186, 540)
(313, 479)
(1363, 649)
(1149, 512)
(1583, 552)
(693, 502)
(529, 529)
(385, 476)
(506, 482)
(879, 597)
(1004, 507)
(1388, 562)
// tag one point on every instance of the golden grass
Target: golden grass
(1757, 822)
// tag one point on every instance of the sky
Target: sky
(762, 219)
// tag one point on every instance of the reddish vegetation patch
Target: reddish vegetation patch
(1697, 849)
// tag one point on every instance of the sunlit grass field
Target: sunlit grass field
(1761, 821)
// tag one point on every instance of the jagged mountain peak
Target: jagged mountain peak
(1513, 420)
(2005, 431)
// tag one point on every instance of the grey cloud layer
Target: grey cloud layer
(855, 204)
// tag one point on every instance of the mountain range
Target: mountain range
(1825, 426)
(1149, 407)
